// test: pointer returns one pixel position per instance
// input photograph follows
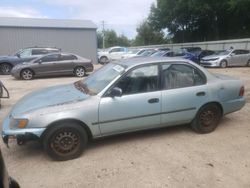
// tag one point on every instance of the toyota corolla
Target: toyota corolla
(129, 95)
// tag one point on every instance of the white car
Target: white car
(133, 53)
(113, 53)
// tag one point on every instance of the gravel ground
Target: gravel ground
(169, 157)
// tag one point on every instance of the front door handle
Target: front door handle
(199, 94)
(154, 100)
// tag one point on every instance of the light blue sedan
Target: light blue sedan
(130, 95)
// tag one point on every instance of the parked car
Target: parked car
(53, 64)
(4, 93)
(134, 53)
(5, 180)
(130, 95)
(24, 55)
(179, 53)
(146, 53)
(192, 49)
(227, 58)
(204, 53)
(113, 53)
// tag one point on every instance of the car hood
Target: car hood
(48, 97)
(8, 57)
(213, 57)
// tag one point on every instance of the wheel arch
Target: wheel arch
(56, 123)
(213, 102)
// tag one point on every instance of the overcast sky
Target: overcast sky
(121, 15)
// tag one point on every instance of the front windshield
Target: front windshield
(97, 81)
(158, 54)
(226, 52)
(133, 51)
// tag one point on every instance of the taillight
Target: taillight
(242, 91)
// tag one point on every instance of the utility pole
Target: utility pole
(103, 34)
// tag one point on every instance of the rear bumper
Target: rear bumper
(233, 105)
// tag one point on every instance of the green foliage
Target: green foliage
(147, 35)
(201, 20)
(111, 39)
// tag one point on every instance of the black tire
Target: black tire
(27, 74)
(248, 63)
(79, 71)
(5, 68)
(223, 64)
(104, 60)
(207, 119)
(65, 141)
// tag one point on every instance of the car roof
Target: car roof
(147, 60)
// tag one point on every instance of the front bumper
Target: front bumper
(215, 63)
(21, 135)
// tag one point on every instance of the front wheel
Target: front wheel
(207, 119)
(27, 74)
(104, 60)
(248, 63)
(65, 141)
(223, 64)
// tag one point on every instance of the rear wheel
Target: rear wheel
(65, 141)
(207, 119)
(27, 74)
(5, 68)
(223, 64)
(79, 71)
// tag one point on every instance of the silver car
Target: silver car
(130, 95)
(227, 58)
(53, 64)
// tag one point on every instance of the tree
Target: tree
(201, 20)
(111, 39)
(147, 35)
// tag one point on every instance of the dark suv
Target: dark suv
(23, 55)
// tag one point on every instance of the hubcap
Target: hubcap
(65, 142)
(207, 118)
(27, 74)
(223, 64)
(80, 72)
(104, 60)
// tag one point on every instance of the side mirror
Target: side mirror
(116, 92)
(40, 61)
(18, 55)
(232, 54)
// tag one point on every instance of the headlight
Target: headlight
(18, 123)
(212, 59)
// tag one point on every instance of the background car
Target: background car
(24, 55)
(133, 53)
(113, 53)
(204, 53)
(126, 96)
(53, 64)
(226, 58)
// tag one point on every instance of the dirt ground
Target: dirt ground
(169, 157)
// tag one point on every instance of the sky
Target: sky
(121, 15)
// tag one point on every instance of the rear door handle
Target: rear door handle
(199, 94)
(154, 100)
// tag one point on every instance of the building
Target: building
(75, 36)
